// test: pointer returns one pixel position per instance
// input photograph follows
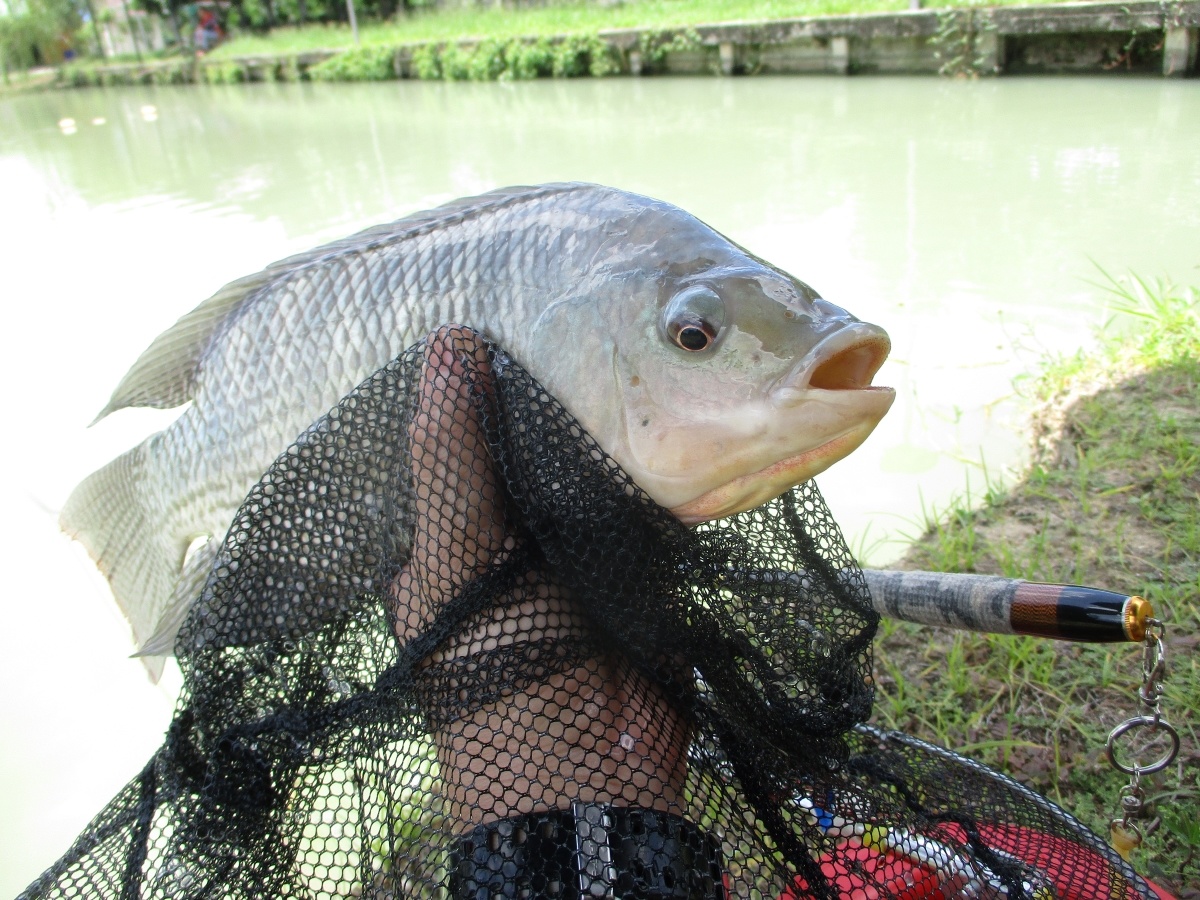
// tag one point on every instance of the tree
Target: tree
(32, 28)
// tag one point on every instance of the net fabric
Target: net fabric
(448, 649)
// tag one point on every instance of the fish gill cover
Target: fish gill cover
(449, 649)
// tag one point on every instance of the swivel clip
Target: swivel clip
(1153, 743)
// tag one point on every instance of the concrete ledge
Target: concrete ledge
(913, 23)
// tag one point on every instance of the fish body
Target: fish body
(716, 380)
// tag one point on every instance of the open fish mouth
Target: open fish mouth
(846, 360)
(834, 381)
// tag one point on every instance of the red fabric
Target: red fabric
(1076, 872)
(887, 876)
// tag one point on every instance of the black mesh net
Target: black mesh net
(449, 650)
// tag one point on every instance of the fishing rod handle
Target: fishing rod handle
(991, 603)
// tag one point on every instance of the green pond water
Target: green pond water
(963, 217)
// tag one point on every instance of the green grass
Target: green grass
(554, 19)
(1112, 500)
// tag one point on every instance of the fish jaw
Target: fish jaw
(744, 451)
(756, 488)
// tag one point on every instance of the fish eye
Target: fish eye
(694, 318)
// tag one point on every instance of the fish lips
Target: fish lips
(835, 378)
(845, 360)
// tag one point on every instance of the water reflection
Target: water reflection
(742, 152)
(960, 216)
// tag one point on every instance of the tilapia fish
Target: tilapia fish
(716, 380)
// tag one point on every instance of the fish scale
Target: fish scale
(569, 279)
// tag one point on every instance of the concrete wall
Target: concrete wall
(890, 56)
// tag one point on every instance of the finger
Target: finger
(458, 502)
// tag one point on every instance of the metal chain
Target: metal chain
(1126, 832)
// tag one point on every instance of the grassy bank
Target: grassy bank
(1112, 500)
(556, 19)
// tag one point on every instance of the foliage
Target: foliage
(224, 73)
(1110, 500)
(1166, 318)
(314, 10)
(959, 41)
(583, 55)
(254, 14)
(79, 76)
(494, 59)
(358, 64)
(454, 62)
(426, 62)
(655, 45)
(487, 60)
(28, 35)
(530, 59)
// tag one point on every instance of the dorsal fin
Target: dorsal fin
(164, 375)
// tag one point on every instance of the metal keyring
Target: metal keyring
(1154, 722)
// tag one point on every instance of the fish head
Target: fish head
(717, 381)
